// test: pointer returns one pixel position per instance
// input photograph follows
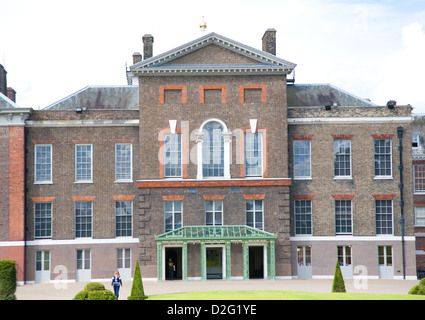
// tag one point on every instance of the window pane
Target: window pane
(302, 210)
(123, 218)
(172, 155)
(419, 216)
(382, 151)
(43, 220)
(123, 161)
(43, 163)
(254, 213)
(342, 158)
(253, 154)
(83, 219)
(173, 215)
(384, 216)
(83, 162)
(213, 150)
(343, 217)
(302, 158)
(419, 178)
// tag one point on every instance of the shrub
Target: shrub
(414, 290)
(418, 289)
(95, 291)
(137, 291)
(94, 286)
(338, 284)
(101, 295)
(7, 279)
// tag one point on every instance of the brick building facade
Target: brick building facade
(213, 158)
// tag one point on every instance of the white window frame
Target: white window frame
(296, 204)
(342, 176)
(173, 215)
(227, 136)
(389, 176)
(422, 219)
(345, 213)
(392, 218)
(49, 236)
(254, 212)
(85, 223)
(416, 138)
(174, 150)
(301, 177)
(130, 178)
(415, 186)
(36, 178)
(214, 212)
(77, 163)
(258, 168)
(130, 216)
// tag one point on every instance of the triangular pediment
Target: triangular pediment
(213, 54)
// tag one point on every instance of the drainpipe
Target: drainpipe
(401, 203)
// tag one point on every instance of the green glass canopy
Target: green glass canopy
(214, 233)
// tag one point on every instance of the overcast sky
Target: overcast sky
(373, 49)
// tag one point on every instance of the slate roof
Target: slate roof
(6, 103)
(319, 95)
(124, 97)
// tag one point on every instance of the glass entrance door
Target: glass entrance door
(83, 273)
(304, 262)
(42, 266)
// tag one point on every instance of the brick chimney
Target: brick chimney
(137, 57)
(11, 94)
(269, 41)
(3, 80)
(147, 46)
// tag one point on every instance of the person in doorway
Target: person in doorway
(116, 283)
(171, 269)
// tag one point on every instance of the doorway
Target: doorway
(256, 262)
(42, 266)
(175, 254)
(214, 257)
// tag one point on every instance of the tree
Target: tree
(137, 291)
(338, 284)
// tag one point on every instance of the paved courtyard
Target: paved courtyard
(49, 291)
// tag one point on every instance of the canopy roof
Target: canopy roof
(215, 233)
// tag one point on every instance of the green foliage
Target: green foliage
(94, 286)
(7, 279)
(137, 291)
(414, 290)
(95, 291)
(418, 289)
(101, 295)
(338, 284)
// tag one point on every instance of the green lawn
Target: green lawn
(281, 295)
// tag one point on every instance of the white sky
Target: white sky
(373, 49)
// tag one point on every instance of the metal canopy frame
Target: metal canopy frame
(203, 235)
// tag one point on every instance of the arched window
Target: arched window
(213, 150)
(214, 142)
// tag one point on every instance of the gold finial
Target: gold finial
(203, 25)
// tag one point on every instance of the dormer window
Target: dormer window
(416, 140)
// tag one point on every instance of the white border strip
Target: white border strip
(349, 120)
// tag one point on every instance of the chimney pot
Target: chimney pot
(269, 41)
(147, 46)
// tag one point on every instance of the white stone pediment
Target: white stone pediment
(212, 54)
